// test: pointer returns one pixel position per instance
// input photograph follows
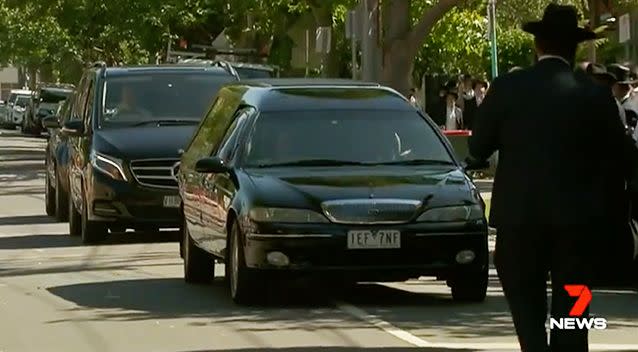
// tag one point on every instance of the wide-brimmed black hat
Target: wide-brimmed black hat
(622, 73)
(561, 23)
(600, 71)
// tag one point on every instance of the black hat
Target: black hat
(621, 73)
(452, 91)
(559, 22)
(598, 70)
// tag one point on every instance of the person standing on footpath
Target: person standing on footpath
(559, 189)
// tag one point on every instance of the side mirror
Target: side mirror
(50, 122)
(73, 128)
(212, 165)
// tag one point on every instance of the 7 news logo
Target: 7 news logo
(576, 319)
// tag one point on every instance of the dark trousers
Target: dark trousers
(523, 257)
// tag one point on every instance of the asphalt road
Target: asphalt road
(128, 295)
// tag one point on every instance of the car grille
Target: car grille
(157, 173)
(371, 211)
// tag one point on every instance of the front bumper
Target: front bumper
(127, 204)
(426, 250)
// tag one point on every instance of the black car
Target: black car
(44, 103)
(56, 162)
(329, 177)
(125, 133)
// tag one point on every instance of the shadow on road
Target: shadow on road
(290, 307)
(311, 307)
(21, 154)
(64, 240)
(26, 220)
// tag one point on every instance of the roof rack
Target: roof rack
(226, 66)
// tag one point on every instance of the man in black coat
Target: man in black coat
(559, 190)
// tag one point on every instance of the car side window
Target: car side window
(88, 106)
(229, 143)
(212, 128)
(78, 103)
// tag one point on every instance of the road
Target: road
(128, 295)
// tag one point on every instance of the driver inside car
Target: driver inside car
(128, 105)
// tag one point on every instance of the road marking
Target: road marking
(383, 325)
(419, 342)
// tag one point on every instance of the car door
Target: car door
(218, 189)
(206, 139)
(77, 145)
(60, 146)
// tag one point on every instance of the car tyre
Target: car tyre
(49, 196)
(75, 218)
(245, 285)
(61, 201)
(470, 287)
(91, 231)
(199, 265)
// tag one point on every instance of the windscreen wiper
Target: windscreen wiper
(166, 122)
(314, 162)
(415, 162)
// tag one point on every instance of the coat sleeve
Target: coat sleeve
(485, 140)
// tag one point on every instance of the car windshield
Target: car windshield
(331, 137)
(22, 101)
(159, 96)
(54, 96)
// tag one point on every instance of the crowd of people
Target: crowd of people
(457, 103)
(460, 98)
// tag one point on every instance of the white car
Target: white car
(7, 118)
(16, 113)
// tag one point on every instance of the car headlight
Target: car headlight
(286, 215)
(452, 214)
(108, 165)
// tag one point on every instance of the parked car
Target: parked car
(7, 118)
(44, 102)
(57, 162)
(18, 110)
(124, 133)
(328, 177)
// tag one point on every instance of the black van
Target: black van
(125, 132)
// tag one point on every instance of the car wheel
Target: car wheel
(199, 265)
(61, 201)
(49, 196)
(75, 218)
(244, 283)
(91, 231)
(470, 287)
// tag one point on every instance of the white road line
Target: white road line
(419, 342)
(383, 325)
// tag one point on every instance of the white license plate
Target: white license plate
(367, 239)
(172, 201)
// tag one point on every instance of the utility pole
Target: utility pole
(491, 18)
(370, 52)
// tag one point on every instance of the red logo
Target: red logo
(584, 297)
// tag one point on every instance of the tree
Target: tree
(402, 40)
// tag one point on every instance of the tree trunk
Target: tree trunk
(46, 73)
(401, 44)
(323, 18)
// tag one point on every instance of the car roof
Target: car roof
(319, 94)
(168, 68)
(307, 82)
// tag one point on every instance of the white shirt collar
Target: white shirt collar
(544, 57)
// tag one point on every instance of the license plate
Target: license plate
(367, 239)
(172, 201)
